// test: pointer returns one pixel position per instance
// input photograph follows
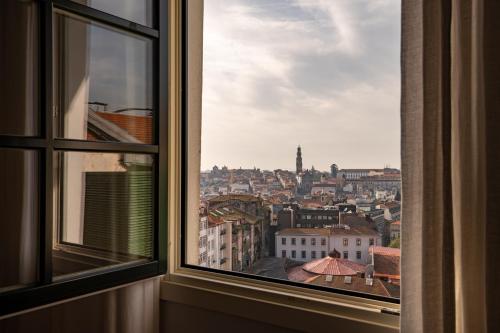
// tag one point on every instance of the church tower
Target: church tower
(298, 161)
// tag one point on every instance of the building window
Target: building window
(358, 241)
(302, 241)
(83, 141)
(358, 254)
(345, 242)
(346, 255)
(293, 254)
(323, 254)
(293, 241)
(283, 253)
(313, 241)
(283, 241)
(303, 254)
(313, 254)
(323, 241)
(372, 242)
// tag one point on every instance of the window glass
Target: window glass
(329, 70)
(139, 11)
(19, 204)
(104, 90)
(19, 113)
(105, 205)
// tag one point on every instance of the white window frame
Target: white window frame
(223, 292)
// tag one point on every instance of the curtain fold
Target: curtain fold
(450, 227)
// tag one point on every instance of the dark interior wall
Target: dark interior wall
(183, 318)
(131, 309)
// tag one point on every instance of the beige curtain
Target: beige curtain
(450, 232)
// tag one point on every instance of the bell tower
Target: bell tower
(298, 161)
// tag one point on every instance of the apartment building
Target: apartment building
(306, 244)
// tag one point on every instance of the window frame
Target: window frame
(183, 280)
(48, 288)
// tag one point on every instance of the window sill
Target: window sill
(278, 304)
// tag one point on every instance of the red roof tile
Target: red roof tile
(333, 266)
(141, 127)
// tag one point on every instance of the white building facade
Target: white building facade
(306, 244)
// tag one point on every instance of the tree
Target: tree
(395, 243)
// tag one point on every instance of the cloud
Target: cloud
(322, 73)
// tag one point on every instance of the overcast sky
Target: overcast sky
(320, 73)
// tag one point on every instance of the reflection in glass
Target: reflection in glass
(105, 82)
(19, 219)
(139, 11)
(105, 210)
(18, 71)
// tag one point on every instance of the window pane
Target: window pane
(18, 68)
(104, 77)
(300, 139)
(105, 205)
(19, 204)
(140, 11)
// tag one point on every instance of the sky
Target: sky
(322, 74)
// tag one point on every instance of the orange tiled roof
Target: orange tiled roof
(386, 251)
(356, 284)
(386, 262)
(333, 266)
(141, 127)
(304, 232)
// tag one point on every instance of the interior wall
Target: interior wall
(130, 309)
(177, 317)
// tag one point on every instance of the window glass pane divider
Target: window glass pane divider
(161, 122)
(123, 147)
(99, 16)
(46, 110)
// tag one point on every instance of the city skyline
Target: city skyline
(335, 90)
(305, 167)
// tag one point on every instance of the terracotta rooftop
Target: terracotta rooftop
(355, 284)
(304, 232)
(240, 197)
(333, 266)
(141, 127)
(386, 262)
(355, 230)
(387, 251)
